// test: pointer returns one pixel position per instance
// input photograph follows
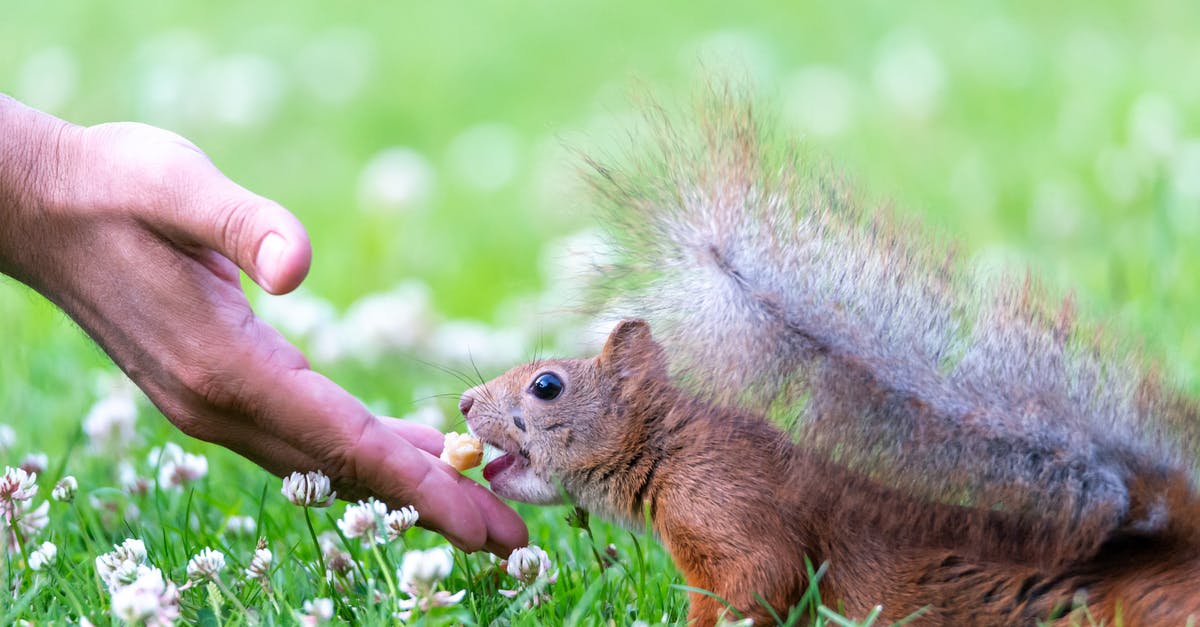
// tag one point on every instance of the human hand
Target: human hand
(135, 234)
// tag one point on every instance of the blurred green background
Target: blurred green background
(426, 141)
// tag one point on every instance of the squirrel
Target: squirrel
(799, 379)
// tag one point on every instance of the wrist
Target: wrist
(32, 174)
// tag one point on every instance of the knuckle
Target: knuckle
(162, 158)
(346, 462)
(233, 221)
(214, 387)
(187, 417)
(194, 426)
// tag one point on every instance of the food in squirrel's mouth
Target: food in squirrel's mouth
(462, 451)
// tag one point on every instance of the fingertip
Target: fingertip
(505, 529)
(444, 508)
(447, 502)
(284, 255)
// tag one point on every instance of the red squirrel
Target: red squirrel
(798, 377)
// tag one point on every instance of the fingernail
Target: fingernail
(270, 258)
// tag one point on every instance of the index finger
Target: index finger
(448, 502)
(419, 435)
(368, 458)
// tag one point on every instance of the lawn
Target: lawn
(430, 149)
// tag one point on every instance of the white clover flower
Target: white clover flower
(43, 556)
(909, 75)
(8, 437)
(396, 522)
(123, 565)
(298, 314)
(337, 560)
(123, 574)
(338, 63)
(471, 341)
(17, 485)
(485, 156)
(379, 323)
(150, 599)
(169, 459)
(260, 565)
(18, 517)
(110, 424)
(329, 541)
(35, 463)
(420, 571)
(131, 549)
(65, 489)
(319, 609)
(394, 180)
(130, 481)
(361, 520)
(529, 565)
(162, 454)
(47, 79)
(240, 90)
(32, 520)
(134, 605)
(439, 598)
(240, 526)
(182, 470)
(311, 489)
(206, 565)
(820, 101)
(1154, 126)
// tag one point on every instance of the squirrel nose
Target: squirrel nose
(464, 403)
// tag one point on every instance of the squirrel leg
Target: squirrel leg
(745, 581)
(748, 583)
(705, 610)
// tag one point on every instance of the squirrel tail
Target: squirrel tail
(771, 287)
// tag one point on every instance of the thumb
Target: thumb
(265, 240)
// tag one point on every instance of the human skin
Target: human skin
(136, 235)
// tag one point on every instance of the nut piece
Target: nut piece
(462, 451)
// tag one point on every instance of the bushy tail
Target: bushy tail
(771, 287)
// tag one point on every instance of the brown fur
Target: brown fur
(740, 506)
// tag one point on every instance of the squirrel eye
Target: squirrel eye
(547, 386)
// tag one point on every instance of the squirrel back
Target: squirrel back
(927, 425)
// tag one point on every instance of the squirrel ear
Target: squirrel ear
(630, 349)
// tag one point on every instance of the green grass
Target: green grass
(1060, 138)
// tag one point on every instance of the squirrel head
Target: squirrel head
(557, 419)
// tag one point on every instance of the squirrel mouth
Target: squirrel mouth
(500, 459)
(499, 465)
(509, 473)
(511, 476)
